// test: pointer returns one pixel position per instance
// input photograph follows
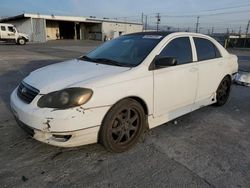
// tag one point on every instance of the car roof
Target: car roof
(162, 33)
(172, 33)
(6, 24)
(166, 33)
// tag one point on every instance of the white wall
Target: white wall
(112, 29)
(38, 30)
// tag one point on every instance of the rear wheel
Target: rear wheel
(223, 91)
(21, 41)
(122, 126)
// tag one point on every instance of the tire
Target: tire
(122, 126)
(223, 91)
(21, 41)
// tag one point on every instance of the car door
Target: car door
(210, 64)
(10, 32)
(3, 32)
(175, 86)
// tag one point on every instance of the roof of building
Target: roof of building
(66, 18)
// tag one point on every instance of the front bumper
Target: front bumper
(65, 139)
(64, 128)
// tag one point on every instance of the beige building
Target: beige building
(42, 28)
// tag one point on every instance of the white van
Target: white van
(9, 33)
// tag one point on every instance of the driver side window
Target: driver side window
(11, 29)
(180, 49)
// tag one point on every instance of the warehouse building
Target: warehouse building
(42, 28)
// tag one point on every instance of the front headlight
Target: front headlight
(66, 98)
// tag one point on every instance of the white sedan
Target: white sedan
(126, 85)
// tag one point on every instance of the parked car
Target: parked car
(9, 33)
(126, 85)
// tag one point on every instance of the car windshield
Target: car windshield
(128, 50)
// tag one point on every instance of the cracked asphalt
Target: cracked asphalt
(206, 148)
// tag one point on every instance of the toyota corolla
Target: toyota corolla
(129, 84)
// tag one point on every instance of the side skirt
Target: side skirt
(159, 120)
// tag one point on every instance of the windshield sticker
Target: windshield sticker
(152, 37)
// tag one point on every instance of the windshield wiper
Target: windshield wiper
(87, 58)
(110, 62)
(105, 61)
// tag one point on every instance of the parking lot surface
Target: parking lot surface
(206, 148)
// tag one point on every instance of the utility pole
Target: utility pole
(142, 17)
(240, 30)
(158, 21)
(197, 24)
(146, 22)
(248, 24)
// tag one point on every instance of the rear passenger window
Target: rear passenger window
(206, 49)
(3, 28)
(179, 48)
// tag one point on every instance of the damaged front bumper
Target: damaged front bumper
(63, 139)
(64, 128)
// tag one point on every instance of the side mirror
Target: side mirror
(162, 62)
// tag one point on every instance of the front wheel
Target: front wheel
(21, 41)
(122, 126)
(223, 91)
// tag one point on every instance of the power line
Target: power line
(204, 15)
(225, 13)
(226, 8)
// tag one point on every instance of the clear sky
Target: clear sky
(221, 14)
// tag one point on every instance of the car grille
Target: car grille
(26, 92)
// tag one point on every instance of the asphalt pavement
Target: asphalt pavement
(206, 148)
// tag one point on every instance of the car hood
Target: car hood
(62, 75)
(24, 35)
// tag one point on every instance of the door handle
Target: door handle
(193, 69)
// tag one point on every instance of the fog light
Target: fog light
(61, 138)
